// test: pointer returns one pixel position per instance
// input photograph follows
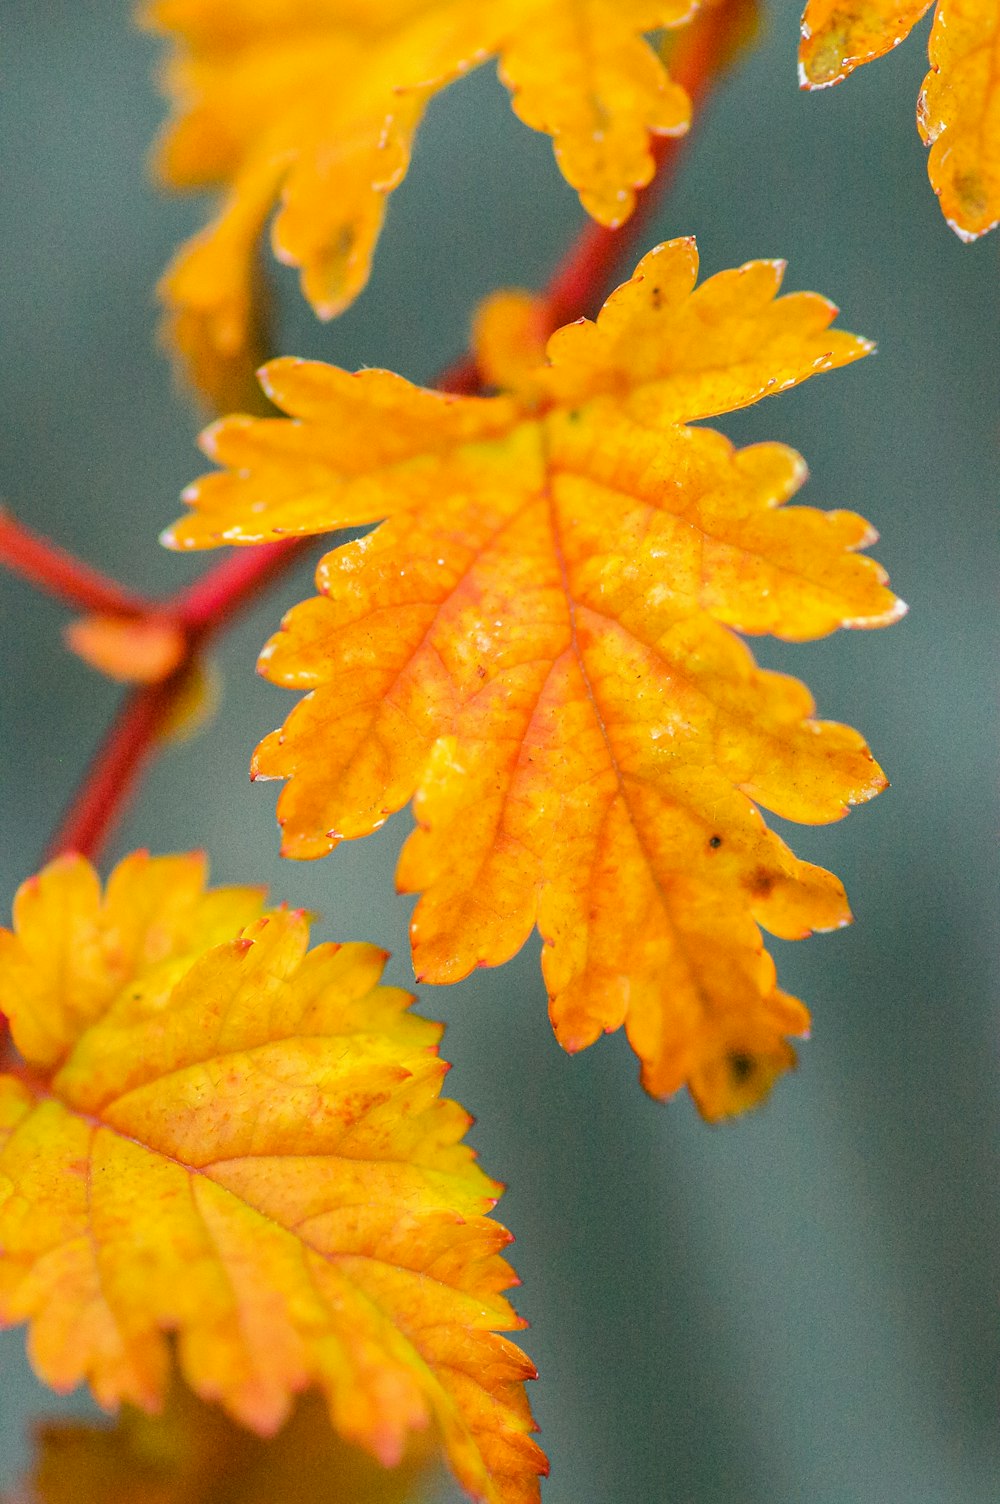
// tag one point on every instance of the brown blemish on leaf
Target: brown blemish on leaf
(741, 1066)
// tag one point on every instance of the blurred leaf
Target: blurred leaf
(194, 1454)
(316, 106)
(136, 650)
(195, 702)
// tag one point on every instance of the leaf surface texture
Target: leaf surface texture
(242, 1143)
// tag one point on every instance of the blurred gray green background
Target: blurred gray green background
(799, 1307)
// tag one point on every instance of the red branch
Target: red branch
(232, 586)
(208, 606)
(211, 603)
(58, 573)
(114, 772)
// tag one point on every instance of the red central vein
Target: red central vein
(680, 942)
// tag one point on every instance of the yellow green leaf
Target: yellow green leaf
(194, 1454)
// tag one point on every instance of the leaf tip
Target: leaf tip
(967, 236)
(208, 441)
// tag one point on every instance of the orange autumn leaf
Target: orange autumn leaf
(194, 1454)
(959, 108)
(242, 1143)
(537, 646)
(314, 104)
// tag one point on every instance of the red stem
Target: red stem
(229, 587)
(204, 608)
(211, 603)
(58, 573)
(114, 772)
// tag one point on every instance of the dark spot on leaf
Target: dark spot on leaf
(971, 189)
(574, 415)
(741, 1066)
(715, 842)
(761, 882)
(655, 297)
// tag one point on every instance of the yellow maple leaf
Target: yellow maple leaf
(243, 1144)
(959, 108)
(317, 102)
(536, 647)
(194, 1454)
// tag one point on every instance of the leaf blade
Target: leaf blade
(252, 1109)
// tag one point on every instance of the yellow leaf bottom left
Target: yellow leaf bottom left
(220, 1135)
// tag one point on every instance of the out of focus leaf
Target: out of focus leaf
(315, 103)
(195, 702)
(194, 1454)
(136, 650)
